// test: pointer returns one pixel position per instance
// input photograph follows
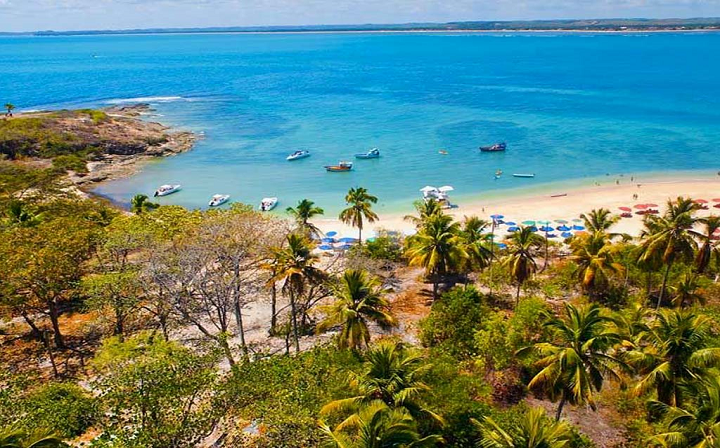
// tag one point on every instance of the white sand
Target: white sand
(582, 200)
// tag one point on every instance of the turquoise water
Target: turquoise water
(572, 107)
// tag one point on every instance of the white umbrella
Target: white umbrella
(427, 189)
(446, 188)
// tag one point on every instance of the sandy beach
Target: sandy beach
(581, 200)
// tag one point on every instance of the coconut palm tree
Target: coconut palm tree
(670, 236)
(425, 210)
(17, 438)
(576, 362)
(378, 426)
(360, 202)
(295, 267)
(520, 260)
(359, 300)
(599, 220)
(686, 292)
(476, 242)
(709, 243)
(436, 247)
(595, 264)
(391, 375)
(9, 107)
(303, 213)
(140, 204)
(533, 430)
(672, 353)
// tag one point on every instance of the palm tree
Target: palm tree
(379, 426)
(476, 242)
(599, 220)
(436, 247)
(695, 425)
(594, 259)
(359, 299)
(10, 107)
(391, 375)
(686, 292)
(574, 365)
(533, 430)
(303, 213)
(709, 244)
(140, 204)
(520, 261)
(670, 235)
(673, 352)
(16, 438)
(425, 210)
(360, 202)
(294, 268)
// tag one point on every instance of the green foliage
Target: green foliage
(385, 246)
(63, 408)
(97, 116)
(453, 321)
(70, 162)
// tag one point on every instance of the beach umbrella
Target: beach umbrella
(577, 220)
(347, 239)
(546, 229)
(409, 232)
(497, 217)
(325, 247)
(510, 223)
(563, 228)
(513, 229)
(446, 188)
(566, 234)
(716, 205)
(700, 201)
(528, 223)
(552, 235)
(533, 229)
(427, 189)
(561, 221)
(641, 206)
(625, 209)
(716, 200)
(544, 222)
(578, 228)
(501, 245)
(327, 240)
(371, 239)
(331, 233)
(346, 246)
(650, 205)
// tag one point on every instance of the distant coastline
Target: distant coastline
(579, 26)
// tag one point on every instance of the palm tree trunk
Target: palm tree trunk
(293, 312)
(360, 233)
(517, 295)
(547, 249)
(664, 285)
(57, 336)
(558, 414)
(273, 309)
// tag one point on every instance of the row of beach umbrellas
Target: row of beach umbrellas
(565, 226)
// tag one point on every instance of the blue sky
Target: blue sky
(26, 15)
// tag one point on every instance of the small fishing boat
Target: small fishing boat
(268, 204)
(165, 190)
(340, 167)
(443, 152)
(218, 199)
(301, 154)
(372, 154)
(523, 175)
(498, 173)
(497, 147)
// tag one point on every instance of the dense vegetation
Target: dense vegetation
(131, 329)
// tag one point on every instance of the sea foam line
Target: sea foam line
(146, 99)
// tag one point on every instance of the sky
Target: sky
(32, 15)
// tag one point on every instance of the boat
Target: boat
(268, 204)
(218, 199)
(559, 195)
(498, 173)
(372, 154)
(523, 175)
(340, 167)
(165, 190)
(443, 152)
(301, 154)
(497, 147)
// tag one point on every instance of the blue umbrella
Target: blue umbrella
(513, 229)
(533, 229)
(327, 240)
(331, 233)
(496, 217)
(325, 247)
(347, 239)
(578, 228)
(501, 245)
(510, 223)
(564, 228)
(566, 234)
(546, 229)
(552, 235)
(346, 246)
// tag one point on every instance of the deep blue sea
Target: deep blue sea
(571, 107)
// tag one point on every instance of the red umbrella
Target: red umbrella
(651, 205)
(625, 209)
(641, 206)
(700, 201)
(716, 200)
(716, 205)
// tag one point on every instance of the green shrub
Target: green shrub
(61, 407)
(70, 162)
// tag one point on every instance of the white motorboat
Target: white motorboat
(372, 154)
(165, 190)
(268, 204)
(526, 175)
(301, 154)
(218, 199)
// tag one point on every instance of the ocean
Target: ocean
(573, 108)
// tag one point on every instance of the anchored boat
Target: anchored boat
(298, 155)
(340, 167)
(523, 175)
(218, 199)
(165, 190)
(372, 154)
(497, 147)
(268, 204)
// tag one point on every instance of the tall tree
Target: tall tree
(599, 220)
(675, 351)
(670, 236)
(9, 107)
(436, 247)
(709, 239)
(533, 430)
(594, 258)
(476, 242)
(576, 362)
(360, 207)
(303, 213)
(520, 260)
(140, 203)
(687, 292)
(358, 300)
(425, 209)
